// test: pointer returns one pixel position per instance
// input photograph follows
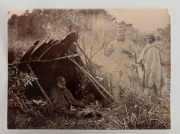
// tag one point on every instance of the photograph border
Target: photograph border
(173, 8)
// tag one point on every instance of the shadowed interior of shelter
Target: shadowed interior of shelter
(46, 72)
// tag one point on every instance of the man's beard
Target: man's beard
(120, 39)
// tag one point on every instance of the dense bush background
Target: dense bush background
(92, 26)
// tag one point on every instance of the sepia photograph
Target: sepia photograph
(89, 69)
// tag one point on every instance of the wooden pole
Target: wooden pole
(94, 81)
(86, 57)
(43, 61)
(39, 85)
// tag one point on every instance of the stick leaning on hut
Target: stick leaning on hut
(52, 59)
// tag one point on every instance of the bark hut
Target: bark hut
(47, 71)
(52, 59)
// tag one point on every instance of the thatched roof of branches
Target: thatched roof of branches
(59, 58)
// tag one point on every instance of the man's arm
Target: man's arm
(132, 50)
(109, 50)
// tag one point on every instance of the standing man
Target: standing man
(150, 62)
(121, 54)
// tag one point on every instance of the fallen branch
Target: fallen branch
(43, 61)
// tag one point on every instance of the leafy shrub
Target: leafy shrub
(20, 109)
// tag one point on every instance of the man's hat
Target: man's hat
(60, 79)
(120, 26)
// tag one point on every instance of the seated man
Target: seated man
(62, 96)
